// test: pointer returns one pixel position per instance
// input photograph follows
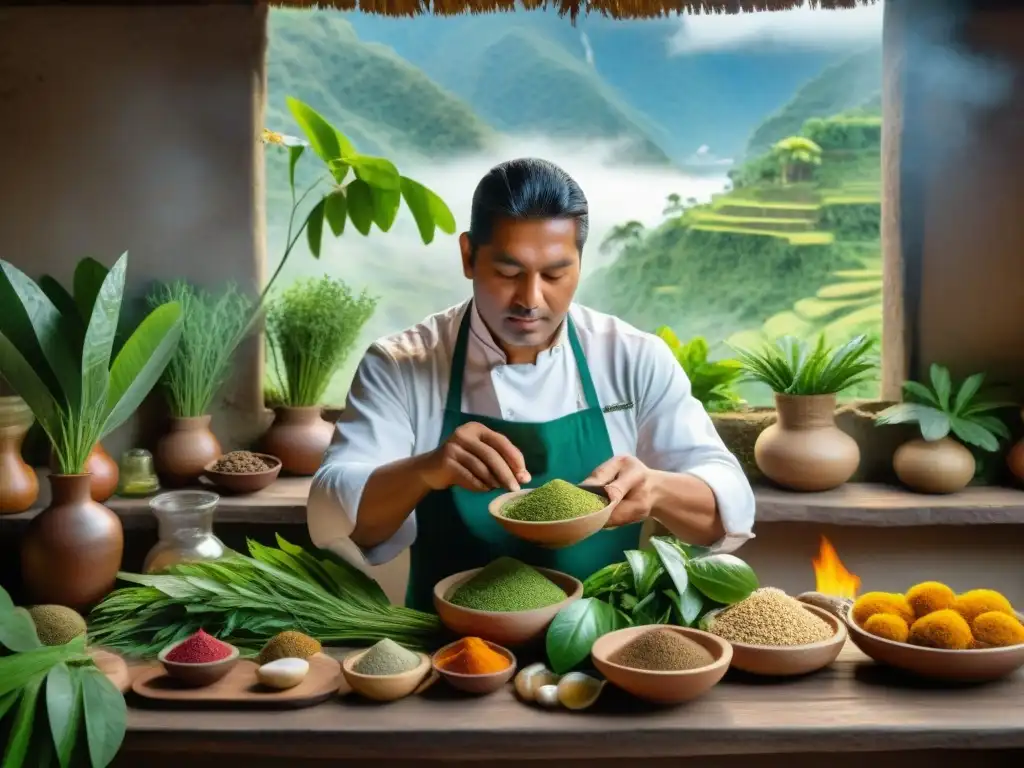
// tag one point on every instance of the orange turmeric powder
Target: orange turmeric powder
(472, 656)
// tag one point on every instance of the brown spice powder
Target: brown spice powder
(662, 650)
(240, 462)
(770, 617)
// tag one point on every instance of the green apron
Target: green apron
(454, 531)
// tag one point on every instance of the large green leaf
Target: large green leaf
(330, 145)
(86, 283)
(360, 205)
(386, 203)
(376, 171)
(18, 631)
(967, 391)
(106, 717)
(315, 228)
(572, 633)
(294, 153)
(974, 434)
(942, 384)
(140, 362)
(646, 569)
(63, 710)
(336, 211)
(673, 562)
(24, 722)
(428, 210)
(723, 578)
(99, 339)
(65, 304)
(26, 382)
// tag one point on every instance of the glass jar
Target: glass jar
(138, 478)
(185, 521)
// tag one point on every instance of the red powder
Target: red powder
(200, 648)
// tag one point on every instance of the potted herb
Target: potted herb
(71, 551)
(311, 328)
(936, 462)
(804, 450)
(213, 327)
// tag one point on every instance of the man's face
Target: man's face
(525, 278)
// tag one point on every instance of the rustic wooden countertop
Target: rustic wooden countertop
(853, 706)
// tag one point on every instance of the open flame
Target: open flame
(831, 576)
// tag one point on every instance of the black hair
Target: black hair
(527, 188)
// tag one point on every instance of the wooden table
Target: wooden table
(834, 716)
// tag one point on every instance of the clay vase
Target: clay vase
(181, 454)
(1015, 459)
(102, 470)
(298, 437)
(71, 551)
(19, 486)
(804, 450)
(936, 466)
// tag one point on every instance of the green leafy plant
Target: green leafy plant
(311, 327)
(371, 196)
(670, 583)
(796, 156)
(213, 325)
(76, 394)
(791, 367)
(712, 382)
(247, 600)
(56, 706)
(944, 408)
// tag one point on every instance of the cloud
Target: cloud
(800, 28)
(588, 49)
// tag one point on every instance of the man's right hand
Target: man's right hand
(475, 458)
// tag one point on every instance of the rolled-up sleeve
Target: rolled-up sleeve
(675, 434)
(374, 429)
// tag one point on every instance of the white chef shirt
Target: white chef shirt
(395, 410)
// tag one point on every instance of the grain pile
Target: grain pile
(288, 645)
(240, 463)
(770, 617)
(662, 650)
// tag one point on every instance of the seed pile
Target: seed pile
(662, 650)
(199, 648)
(386, 658)
(770, 617)
(288, 645)
(56, 624)
(240, 463)
(507, 585)
(555, 500)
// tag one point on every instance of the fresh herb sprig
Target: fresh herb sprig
(791, 367)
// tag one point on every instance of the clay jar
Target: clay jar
(298, 437)
(181, 454)
(934, 466)
(1015, 459)
(804, 450)
(102, 470)
(71, 551)
(19, 486)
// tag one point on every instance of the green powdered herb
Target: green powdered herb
(386, 658)
(555, 500)
(507, 585)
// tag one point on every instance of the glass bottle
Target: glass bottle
(138, 478)
(185, 527)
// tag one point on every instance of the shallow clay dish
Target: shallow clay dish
(244, 482)
(555, 534)
(662, 687)
(510, 628)
(384, 687)
(197, 675)
(974, 666)
(480, 684)
(789, 660)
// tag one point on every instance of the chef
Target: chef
(515, 387)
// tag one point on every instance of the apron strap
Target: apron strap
(453, 403)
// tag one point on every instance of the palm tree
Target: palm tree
(674, 205)
(622, 236)
(797, 156)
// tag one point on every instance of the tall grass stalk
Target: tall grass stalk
(312, 327)
(214, 327)
(792, 367)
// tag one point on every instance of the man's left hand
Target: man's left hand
(628, 480)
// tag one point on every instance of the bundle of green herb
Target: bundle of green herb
(85, 715)
(246, 601)
(791, 367)
(311, 328)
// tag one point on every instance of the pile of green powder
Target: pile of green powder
(386, 658)
(662, 650)
(555, 500)
(507, 585)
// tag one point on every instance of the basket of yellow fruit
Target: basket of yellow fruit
(931, 631)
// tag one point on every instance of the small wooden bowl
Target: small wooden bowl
(197, 675)
(662, 687)
(508, 628)
(792, 660)
(981, 665)
(244, 482)
(555, 534)
(479, 684)
(384, 687)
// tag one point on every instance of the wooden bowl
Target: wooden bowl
(384, 687)
(509, 628)
(662, 687)
(244, 482)
(197, 675)
(972, 666)
(555, 534)
(791, 660)
(479, 684)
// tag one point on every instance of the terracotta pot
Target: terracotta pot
(182, 453)
(804, 450)
(739, 431)
(298, 437)
(1015, 459)
(937, 466)
(71, 551)
(19, 486)
(102, 470)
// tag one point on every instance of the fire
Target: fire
(831, 576)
